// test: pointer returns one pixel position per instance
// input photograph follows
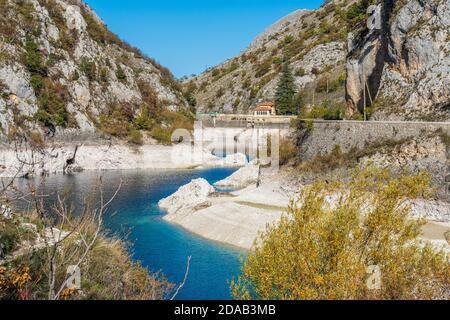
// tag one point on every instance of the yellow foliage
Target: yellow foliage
(324, 244)
(20, 276)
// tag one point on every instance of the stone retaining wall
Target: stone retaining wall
(348, 134)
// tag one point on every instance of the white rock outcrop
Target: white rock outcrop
(67, 157)
(242, 178)
(187, 197)
(437, 211)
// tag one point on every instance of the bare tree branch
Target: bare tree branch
(184, 280)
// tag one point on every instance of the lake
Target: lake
(159, 245)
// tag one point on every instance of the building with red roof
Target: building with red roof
(265, 109)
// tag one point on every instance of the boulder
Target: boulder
(188, 196)
(242, 178)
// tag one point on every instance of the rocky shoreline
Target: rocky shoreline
(120, 156)
(237, 218)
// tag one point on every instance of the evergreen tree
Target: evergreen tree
(285, 93)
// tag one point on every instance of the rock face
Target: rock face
(405, 63)
(431, 210)
(396, 62)
(67, 158)
(423, 153)
(187, 197)
(242, 178)
(61, 66)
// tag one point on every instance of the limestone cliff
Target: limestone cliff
(60, 67)
(405, 62)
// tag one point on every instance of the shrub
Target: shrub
(293, 48)
(300, 72)
(162, 135)
(327, 84)
(328, 162)
(142, 122)
(120, 74)
(288, 39)
(328, 110)
(263, 68)
(149, 99)
(51, 101)
(34, 59)
(220, 92)
(36, 141)
(288, 151)
(177, 120)
(89, 68)
(104, 75)
(357, 12)
(68, 39)
(108, 272)
(12, 133)
(135, 137)
(323, 251)
(37, 83)
(43, 117)
(9, 237)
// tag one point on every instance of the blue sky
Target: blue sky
(187, 36)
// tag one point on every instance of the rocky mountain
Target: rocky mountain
(398, 51)
(60, 68)
(405, 62)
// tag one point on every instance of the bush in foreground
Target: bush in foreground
(322, 248)
(107, 271)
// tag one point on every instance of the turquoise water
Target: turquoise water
(159, 245)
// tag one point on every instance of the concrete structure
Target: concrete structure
(358, 134)
(245, 121)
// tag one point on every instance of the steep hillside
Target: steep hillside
(60, 67)
(312, 41)
(404, 63)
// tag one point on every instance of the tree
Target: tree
(338, 232)
(285, 93)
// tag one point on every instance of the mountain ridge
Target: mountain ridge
(332, 53)
(61, 67)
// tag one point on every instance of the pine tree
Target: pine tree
(285, 93)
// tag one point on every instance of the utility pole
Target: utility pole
(364, 93)
(370, 94)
